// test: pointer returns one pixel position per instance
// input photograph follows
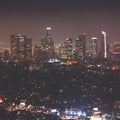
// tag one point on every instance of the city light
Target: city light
(61, 79)
(48, 28)
(1, 100)
(57, 62)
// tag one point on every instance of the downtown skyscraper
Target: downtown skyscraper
(81, 46)
(104, 45)
(47, 44)
(94, 47)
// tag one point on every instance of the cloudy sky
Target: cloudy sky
(67, 18)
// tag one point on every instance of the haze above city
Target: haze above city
(67, 18)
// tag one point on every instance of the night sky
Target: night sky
(67, 18)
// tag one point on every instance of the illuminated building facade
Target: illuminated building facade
(94, 47)
(28, 49)
(68, 48)
(81, 46)
(104, 45)
(14, 45)
(21, 47)
(47, 44)
(62, 51)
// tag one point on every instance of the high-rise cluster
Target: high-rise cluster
(45, 51)
(78, 49)
(21, 47)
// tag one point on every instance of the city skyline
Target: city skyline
(67, 19)
(59, 59)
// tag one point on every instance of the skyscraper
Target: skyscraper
(14, 45)
(81, 45)
(68, 48)
(62, 51)
(47, 44)
(28, 49)
(104, 45)
(21, 47)
(94, 47)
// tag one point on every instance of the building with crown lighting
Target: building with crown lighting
(47, 44)
(94, 47)
(104, 51)
(21, 47)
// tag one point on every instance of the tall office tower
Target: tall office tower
(21, 47)
(68, 48)
(47, 43)
(28, 47)
(81, 46)
(104, 45)
(14, 47)
(94, 47)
